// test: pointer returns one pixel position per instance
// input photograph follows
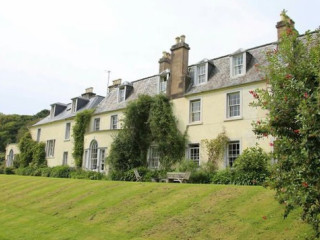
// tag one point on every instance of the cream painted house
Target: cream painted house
(208, 97)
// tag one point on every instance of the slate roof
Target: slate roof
(93, 102)
(219, 78)
(148, 86)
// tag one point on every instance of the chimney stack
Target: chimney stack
(115, 84)
(164, 62)
(88, 93)
(179, 68)
(285, 25)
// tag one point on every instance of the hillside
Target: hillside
(49, 208)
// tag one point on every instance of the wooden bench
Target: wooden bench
(178, 176)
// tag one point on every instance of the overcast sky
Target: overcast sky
(50, 51)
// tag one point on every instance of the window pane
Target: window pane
(233, 100)
(233, 152)
(195, 110)
(194, 153)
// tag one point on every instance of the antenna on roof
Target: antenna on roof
(108, 80)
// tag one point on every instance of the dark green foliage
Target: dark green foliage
(31, 152)
(82, 174)
(171, 143)
(201, 176)
(60, 172)
(8, 170)
(14, 126)
(293, 102)
(147, 120)
(26, 146)
(224, 176)
(252, 167)
(82, 121)
(2, 157)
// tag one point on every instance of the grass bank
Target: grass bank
(53, 208)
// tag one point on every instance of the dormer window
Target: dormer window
(122, 93)
(238, 66)
(239, 61)
(74, 105)
(201, 74)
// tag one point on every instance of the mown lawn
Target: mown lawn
(49, 208)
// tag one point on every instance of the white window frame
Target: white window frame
(67, 133)
(163, 81)
(50, 148)
(93, 156)
(191, 121)
(102, 159)
(121, 98)
(96, 124)
(199, 74)
(228, 155)
(10, 159)
(74, 105)
(233, 65)
(227, 106)
(52, 112)
(191, 155)
(153, 160)
(38, 134)
(114, 125)
(65, 158)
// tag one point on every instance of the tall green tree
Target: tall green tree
(292, 100)
(148, 120)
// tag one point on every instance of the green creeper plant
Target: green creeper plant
(215, 150)
(82, 121)
(292, 100)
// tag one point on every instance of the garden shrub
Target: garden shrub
(8, 170)
(82, 174)
(60, 172)
(201, 176)
(252, 167)
(224, 176)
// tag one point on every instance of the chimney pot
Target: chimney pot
(183, 38)
(89, 90)
(177, 40)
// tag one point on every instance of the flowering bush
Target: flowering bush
(292, 99)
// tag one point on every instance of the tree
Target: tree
(148, 120)
(292, 100)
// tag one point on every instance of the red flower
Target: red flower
(265, 134)
(306, 95)
(251, 92)
(258, 122)
(256, 65)
(264, 217)
(288, 76)
(296, 131)
(304, 184)
(271, 144)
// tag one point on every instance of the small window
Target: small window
(195, 110)
(194, 153)
(67, 132)
(233, 151)
(238, 65)
(65, 158)
(114, 122)
(74, 105)
(93, 155)
(201, 76)
(163, 84)
(96, 124)
(102, 159)
(38, 134)
(50, 148)
(233, 105)
(153, 157)
(121, 94)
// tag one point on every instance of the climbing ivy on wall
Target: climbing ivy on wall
(148, 120)
(82, 121)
